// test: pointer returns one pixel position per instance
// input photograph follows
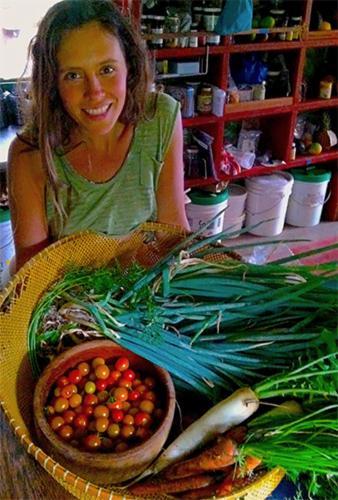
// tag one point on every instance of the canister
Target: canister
(325, 89)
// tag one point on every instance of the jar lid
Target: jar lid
(159, 18)
(5, 214)
(311, 175)
(296, 18)
(212, 10)
(200, 197)
(277, 12)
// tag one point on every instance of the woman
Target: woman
(101, 151)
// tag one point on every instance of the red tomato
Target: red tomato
(67, 391)
(92, 442)
(81, 421)
(121, 393)
(62, 381)
(78, 409)
(69, 416)
(129, 374)
(87, 410)
(142, 419)
(134, 395)
(115, 374)
(150, 396)
(122, 364)
(124, 382)
(56, 422)
(117, 415)
(100, 384)
(75, 376)
(114, 405)
(90, 399)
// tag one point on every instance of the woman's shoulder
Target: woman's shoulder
(161, 104)
(23, 154)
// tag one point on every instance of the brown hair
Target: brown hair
(50, 125)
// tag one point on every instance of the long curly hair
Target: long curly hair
(49, 126)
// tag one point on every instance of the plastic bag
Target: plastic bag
(249, 68)
(236, 16)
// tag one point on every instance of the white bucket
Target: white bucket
(267, 202)
(307, 197)
(233, 224)
(6, 247)
(203, 207)
(236, 201)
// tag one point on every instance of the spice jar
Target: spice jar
(204, 100)
(325, 89)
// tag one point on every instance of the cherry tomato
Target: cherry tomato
(121, 447)
(142, 419)
(78, 409)
(117, 415)
(67, 391)
(136, 383)
(82, 383)
(134, 395)
(150, 382)
(57, 391)
(62, 381)
(133, 411)
(101, 424)
(121, 393)
(66, 432)
(150, 396)
(129, 374)
(142, 433)
(158, 413)
(83, 368)
(102, 396)
(110, 381)
(98, 361)
(102, 371)
(124, 382)
(125, 406)
(114, 405)
(87, 410)
(90, 399)
(113, 431)
(101, 411)
(142, 389)
(56, 422)
(61, 405)
(92, 442)
(128, 420)
(147, 406)
(75, 400)
(127, 432)
(115, 374)
(89, 387)
(100, 384)
(107, 444)
(68, 416)
(49, 410)
(75, 376)
(81, 421)
(122, 364)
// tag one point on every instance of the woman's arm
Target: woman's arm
(170, 191)
(26, 182)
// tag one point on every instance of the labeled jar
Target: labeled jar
(157, 28)
(325, 89)
(259, 91)
(172, 25)
(193, 40)
(296, 21)
(204, 100)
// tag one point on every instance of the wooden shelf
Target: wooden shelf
(314, 104)
(258, 108)
(301, 161)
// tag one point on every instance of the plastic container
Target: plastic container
(233, 224)
(237, 196)
(7, 250)
(203, 207)
(308, 196)
(267, 202)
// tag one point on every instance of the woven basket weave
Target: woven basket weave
(17, 302)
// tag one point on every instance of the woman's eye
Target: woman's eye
(108, 70)
(72, 76)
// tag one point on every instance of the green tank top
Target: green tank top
(121, 204)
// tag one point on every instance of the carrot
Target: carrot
(238, 433)
(225, 487)
(220, 454)
(200, 493)
(176, 486)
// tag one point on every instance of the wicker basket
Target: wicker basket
(19, 299)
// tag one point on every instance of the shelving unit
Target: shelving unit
(278, 114)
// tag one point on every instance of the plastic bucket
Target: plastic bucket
(267, 202)
(6, 247)
(233, 224)
(203, 207)
(307, 197)
(236, 201)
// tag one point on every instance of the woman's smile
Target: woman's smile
(92, 83)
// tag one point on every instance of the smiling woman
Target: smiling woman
(100, 150)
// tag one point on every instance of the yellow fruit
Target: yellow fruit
(315, 148)
(324, 26)
(267, 22)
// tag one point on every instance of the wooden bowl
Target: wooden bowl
(101, 468)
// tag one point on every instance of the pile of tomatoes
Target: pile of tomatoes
(104, 407)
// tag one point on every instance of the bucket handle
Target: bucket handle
(311, 205)
(270, 208)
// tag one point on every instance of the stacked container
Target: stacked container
(234, 215)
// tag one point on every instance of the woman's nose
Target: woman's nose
(93, 86)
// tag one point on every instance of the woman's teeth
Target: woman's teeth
(98, 111)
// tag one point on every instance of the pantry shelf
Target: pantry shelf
(240, 110)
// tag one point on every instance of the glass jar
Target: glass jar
(325, 89)
(259, 91)
(296, 21)
(157, 28)
(193, 40)
(204, 100)
(210, 18)
(172, 25)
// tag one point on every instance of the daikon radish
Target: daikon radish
(228, 413)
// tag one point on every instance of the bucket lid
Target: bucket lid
(5, 215)
(236, 190)
(200, 197)
(311, 174)
(278, 180)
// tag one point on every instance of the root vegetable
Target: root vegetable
(175, 486)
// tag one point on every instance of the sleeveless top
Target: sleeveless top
(119, 205)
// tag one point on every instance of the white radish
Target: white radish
(228, 413)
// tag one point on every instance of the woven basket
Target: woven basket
(19, 299)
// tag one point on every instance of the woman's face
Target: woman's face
(92, 78)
